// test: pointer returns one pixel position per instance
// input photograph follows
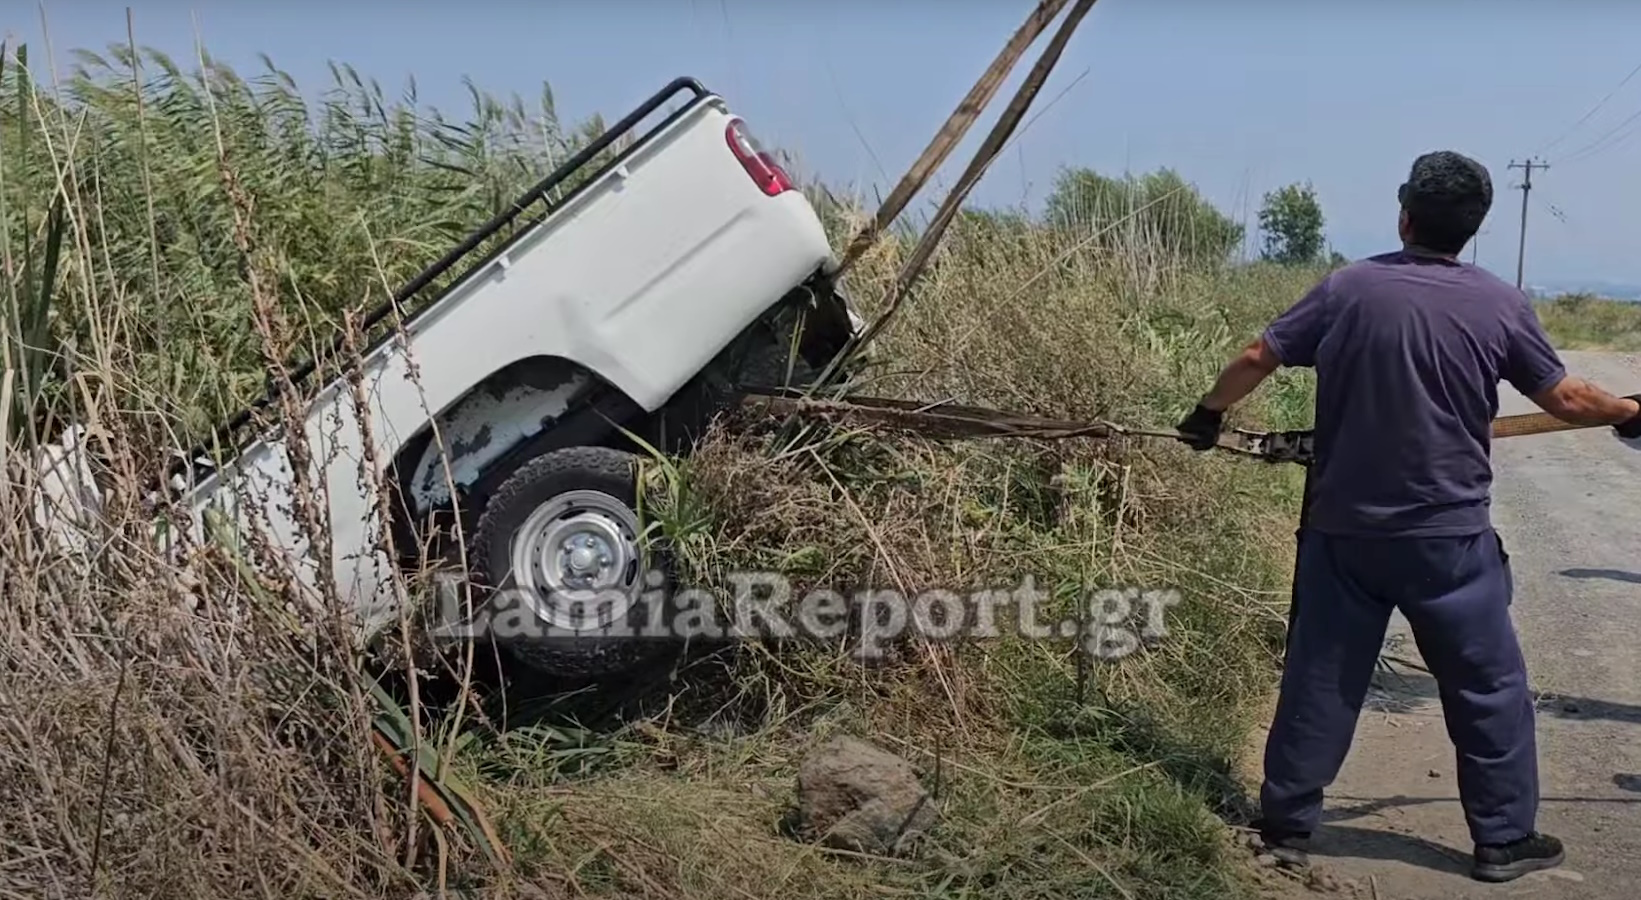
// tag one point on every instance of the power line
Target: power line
(1526, 189)
(1595, 146)
(1593, 110)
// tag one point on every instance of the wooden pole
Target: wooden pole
(956, 125)
(999, 135)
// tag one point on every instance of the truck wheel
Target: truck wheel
(558, 548)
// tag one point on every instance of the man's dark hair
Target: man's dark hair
(1447, 195)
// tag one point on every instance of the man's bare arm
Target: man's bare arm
(1238, 379)
(1578, 401)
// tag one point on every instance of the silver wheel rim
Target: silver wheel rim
(576, 561)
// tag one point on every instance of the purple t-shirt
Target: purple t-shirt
(1409, 351)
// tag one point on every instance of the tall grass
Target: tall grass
(194, 727)
(357, 191)
(1587, 322)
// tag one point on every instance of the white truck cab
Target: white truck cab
(635, 294)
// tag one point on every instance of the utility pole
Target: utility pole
(1526, 188)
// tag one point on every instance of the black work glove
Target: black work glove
(1630, 429)
(1200, 430)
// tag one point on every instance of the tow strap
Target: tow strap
(945, 420)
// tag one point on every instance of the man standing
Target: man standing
(1409, 348)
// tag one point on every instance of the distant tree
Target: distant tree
(1157, 211)
(1291, 221)
(1337, 260)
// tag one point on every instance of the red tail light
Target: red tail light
(769, 176)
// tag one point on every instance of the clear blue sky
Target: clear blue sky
(1240, 97)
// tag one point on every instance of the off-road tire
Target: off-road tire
(529, 487)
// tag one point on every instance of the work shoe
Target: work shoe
(1507, 862)
(1290, 848)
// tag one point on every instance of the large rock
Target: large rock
(855, 796)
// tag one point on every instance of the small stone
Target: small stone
(1322, 881)
(1266, 861)
(1435, 774)
(855, 796)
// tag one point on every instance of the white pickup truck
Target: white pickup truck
(641, 299)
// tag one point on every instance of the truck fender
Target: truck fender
(510, 406)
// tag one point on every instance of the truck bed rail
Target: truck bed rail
(225, 434)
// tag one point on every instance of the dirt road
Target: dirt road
(1569, 508)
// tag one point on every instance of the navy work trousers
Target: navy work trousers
(1455, 593)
